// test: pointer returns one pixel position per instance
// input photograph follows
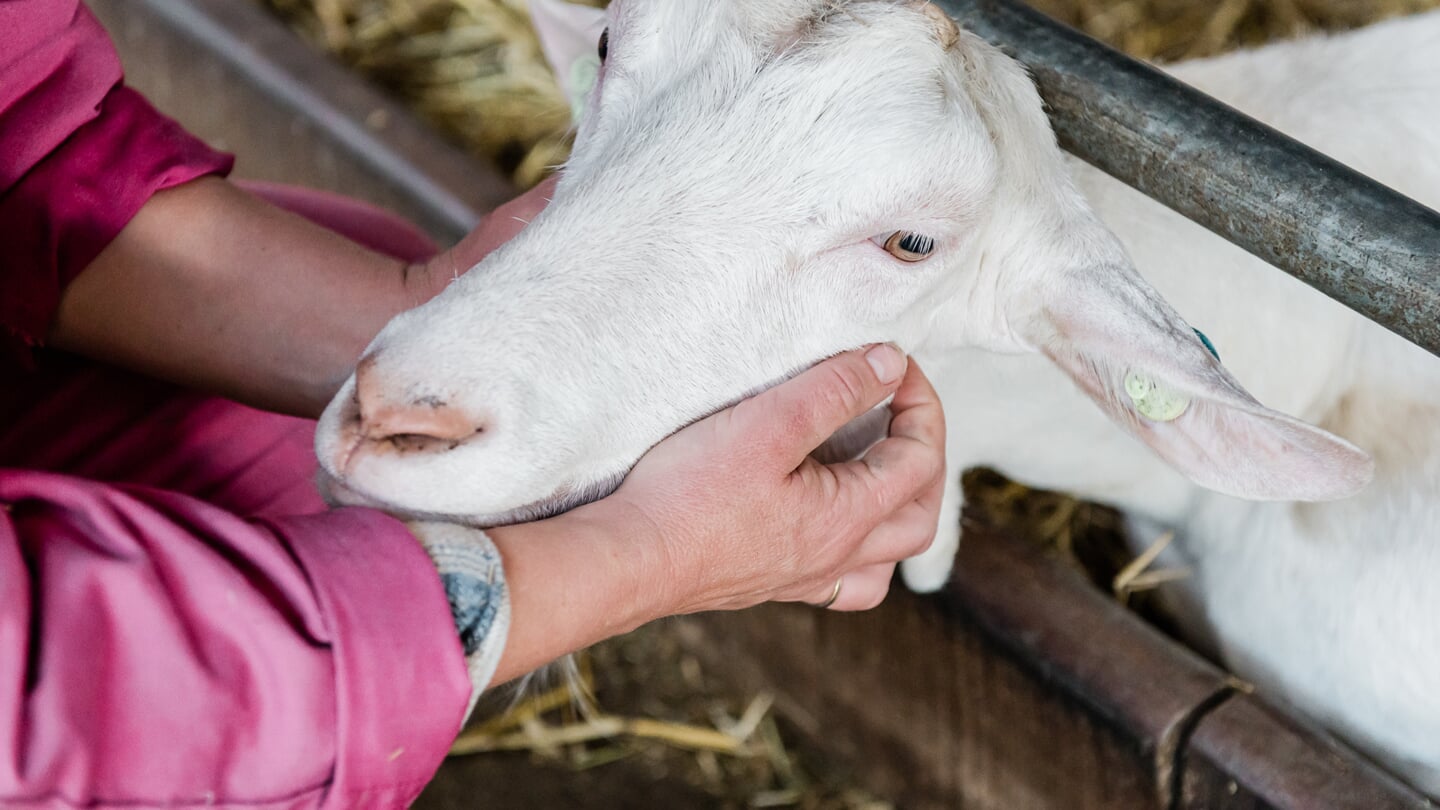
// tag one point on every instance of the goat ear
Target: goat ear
(1157, 378)
(1114, 334)
(569, 35)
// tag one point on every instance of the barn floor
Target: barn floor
(647, 674)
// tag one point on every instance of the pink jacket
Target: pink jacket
(181, 621)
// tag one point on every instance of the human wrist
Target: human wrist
(472, 574)
(574, 580)
(637, 556)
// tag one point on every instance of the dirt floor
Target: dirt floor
(668, 736)
(689, 743)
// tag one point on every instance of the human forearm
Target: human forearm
(212, 287)
(157, 651)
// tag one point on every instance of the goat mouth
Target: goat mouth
(565, 497)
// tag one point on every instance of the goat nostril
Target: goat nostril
(420, 443)
(421, 427)
(417, 424)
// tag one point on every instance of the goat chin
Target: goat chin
(337, 493)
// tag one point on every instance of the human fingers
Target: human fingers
(909, 463)
(793, 418)
(497, 228)
(915, 411)
(908, 531)
(509, 219)
(905, 533)
(859, 589)
(919, 416)
(890, 475)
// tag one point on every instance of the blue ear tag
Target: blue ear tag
(1206, 341)
(1155, 401)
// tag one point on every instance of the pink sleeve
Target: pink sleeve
(156, 651)
(79, 155)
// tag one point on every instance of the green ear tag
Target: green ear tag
(1155, 402)
(584, 72)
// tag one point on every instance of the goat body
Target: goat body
(1329, 606)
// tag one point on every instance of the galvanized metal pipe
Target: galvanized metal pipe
(1357, 241)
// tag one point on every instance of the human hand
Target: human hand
(497, 228)
(732, 511)
(741, 514)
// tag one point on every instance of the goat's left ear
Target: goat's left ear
(1087, 309)
(570, 35)
(1154, 376)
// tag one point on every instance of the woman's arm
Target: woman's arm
(214, 288)
(157, 651)
(112, 248)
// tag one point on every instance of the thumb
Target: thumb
(797, 416)
(500, 226)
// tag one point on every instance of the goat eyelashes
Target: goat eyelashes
(908, 246)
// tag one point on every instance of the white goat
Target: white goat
(758, 184)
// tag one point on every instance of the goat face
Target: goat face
(723, 223)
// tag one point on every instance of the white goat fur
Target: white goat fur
(711, 237)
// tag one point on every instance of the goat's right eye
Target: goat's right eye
(908, 246)
(604, 47)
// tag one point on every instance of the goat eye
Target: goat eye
(908, 246)
(604, 47)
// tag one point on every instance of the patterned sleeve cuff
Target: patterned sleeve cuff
(474, 580)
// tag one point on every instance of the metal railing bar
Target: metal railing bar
(1359, 242)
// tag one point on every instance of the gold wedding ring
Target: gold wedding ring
(835, 594)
